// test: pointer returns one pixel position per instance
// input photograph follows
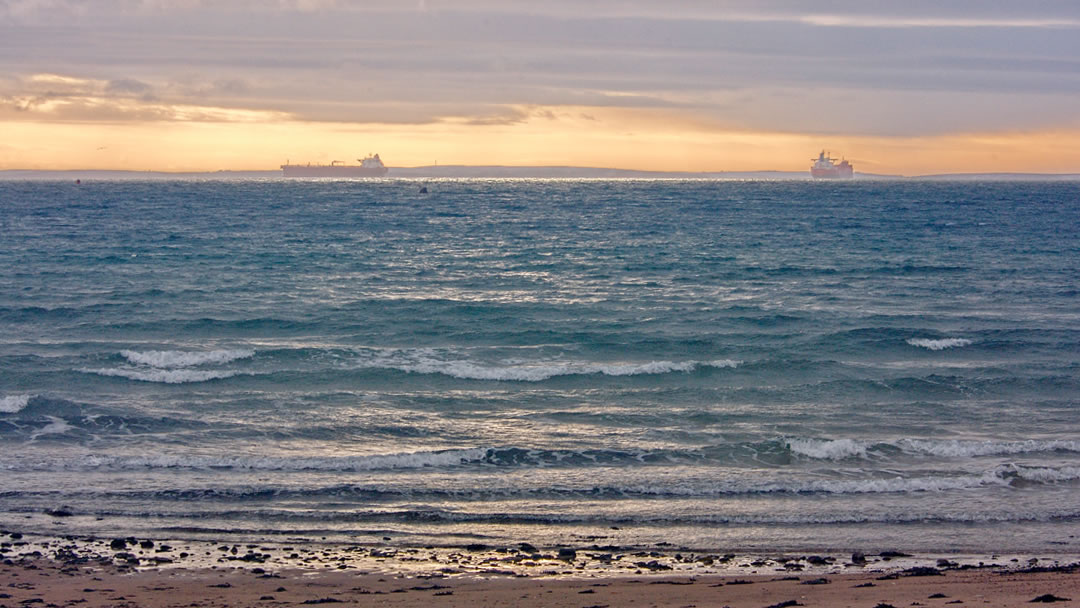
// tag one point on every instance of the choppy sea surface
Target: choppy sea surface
(712, 364)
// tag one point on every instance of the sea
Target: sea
(705, 364)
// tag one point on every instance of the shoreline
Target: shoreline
(64, 571)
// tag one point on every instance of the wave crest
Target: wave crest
(828, 449)
(960, 448)
(11, 404)
(941, 344)
(172, 359)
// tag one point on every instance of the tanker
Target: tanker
(372, 166)
(826, 168)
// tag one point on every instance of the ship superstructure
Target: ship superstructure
(370, 166)
(827, 168)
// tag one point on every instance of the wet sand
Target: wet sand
(40, 571)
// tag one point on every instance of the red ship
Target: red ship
(826, 168)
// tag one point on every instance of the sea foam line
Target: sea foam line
(839, 449)
(467, 370)
(166, 376)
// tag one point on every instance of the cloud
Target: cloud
(919, 67)
(127, 86)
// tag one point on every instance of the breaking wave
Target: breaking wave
(941, 344)
(959, 448)
(836, 449)
(840, 449)
(11, 404)
(171, 359)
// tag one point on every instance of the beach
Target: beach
(129, 572)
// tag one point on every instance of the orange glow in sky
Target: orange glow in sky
(587, 137)
(180, 85)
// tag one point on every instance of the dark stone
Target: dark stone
(817, 560)
(944, 563)
(858, 558)
(1048, 598)
(147, 544)
(938, 596)
(864, 585)
(603, 557)
(652, 565)
(567, 555)
(817, 581)
(922, 571)
(476, 547)
(61, 512)
(527, 548)
(785, 604)
(892, 554)
(118, 544)
(323, 600)
(15, 535)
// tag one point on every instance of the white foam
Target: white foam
(167, 376)
(13, 403)
(171, 359)
(421, 362)
(1048, 475)
(56, 426)
(960, 449)
(828, 449)
(467, 370)
(723, 363)
(941, 344)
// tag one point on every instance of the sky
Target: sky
(913, 87)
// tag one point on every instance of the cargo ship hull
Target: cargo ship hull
(834, 173)
(332, 171)
(372, 166)
(826, 168)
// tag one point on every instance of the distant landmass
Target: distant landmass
(497, 171)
